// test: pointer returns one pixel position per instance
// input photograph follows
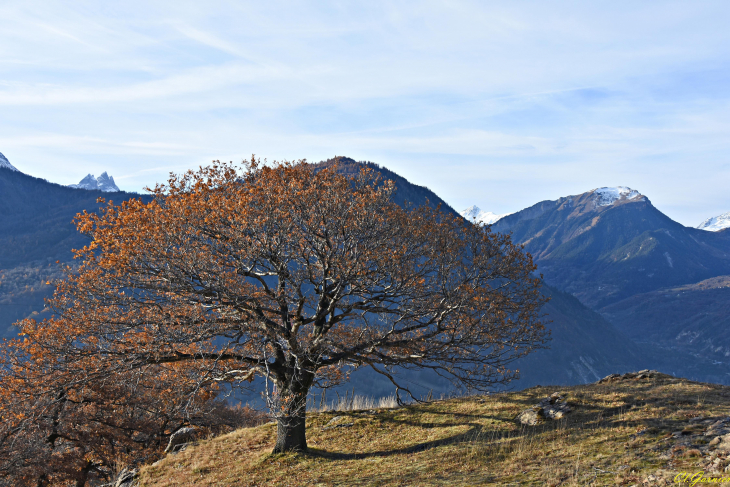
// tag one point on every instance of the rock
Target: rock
(127, 478)
(531, 417)
(723, 444)
(553, 407)
(180, 438)
(642, 374)
(715, 441)
(334, 420)
(556, 411)
(103, 183)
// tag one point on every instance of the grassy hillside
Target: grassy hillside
(624, 431)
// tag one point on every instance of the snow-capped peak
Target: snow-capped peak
(4, 162)
(103, 183)
(607, 196)
(474, 213)
(716, 223)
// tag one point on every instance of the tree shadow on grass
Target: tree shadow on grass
(427, 445)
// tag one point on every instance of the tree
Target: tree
(291, 274)
(59, 430)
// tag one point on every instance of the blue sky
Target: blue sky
(499, 104)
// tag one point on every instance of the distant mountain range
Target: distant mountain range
(658, 282)
(102, 183)
(630, 288)
(693, 318)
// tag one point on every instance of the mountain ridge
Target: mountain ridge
(5, 163)
(476, 214)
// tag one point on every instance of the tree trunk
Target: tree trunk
(291, 433)
(291, 412)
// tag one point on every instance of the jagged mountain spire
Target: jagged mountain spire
(102, 183)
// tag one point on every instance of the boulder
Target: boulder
(126, 478)
(551, 408)
(179, 439)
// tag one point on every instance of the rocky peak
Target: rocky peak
(102, 183)
(609, 195)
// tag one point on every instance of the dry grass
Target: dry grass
(618, 434)
(355, 403)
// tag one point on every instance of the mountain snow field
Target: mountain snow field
(716, 223)
(481, 216)
(607, 195)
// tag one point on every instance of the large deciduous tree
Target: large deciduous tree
(289, 273)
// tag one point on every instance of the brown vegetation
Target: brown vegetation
(283, 272)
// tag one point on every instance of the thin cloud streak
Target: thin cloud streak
(529, 100)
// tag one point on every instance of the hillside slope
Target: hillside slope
(584, 347)
(35, 218)
(36, 230)
(694, 318)
(640, 430)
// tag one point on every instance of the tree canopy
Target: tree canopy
(280, 271)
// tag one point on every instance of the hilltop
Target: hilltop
(622, 430)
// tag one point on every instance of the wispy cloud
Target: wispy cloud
(484, 103)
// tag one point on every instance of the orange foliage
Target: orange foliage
(279, 271)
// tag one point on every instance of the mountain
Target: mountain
(716, 223)
(608, 244)
(474, 213)
(102, 183)
(36, 230)
(5, 163)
